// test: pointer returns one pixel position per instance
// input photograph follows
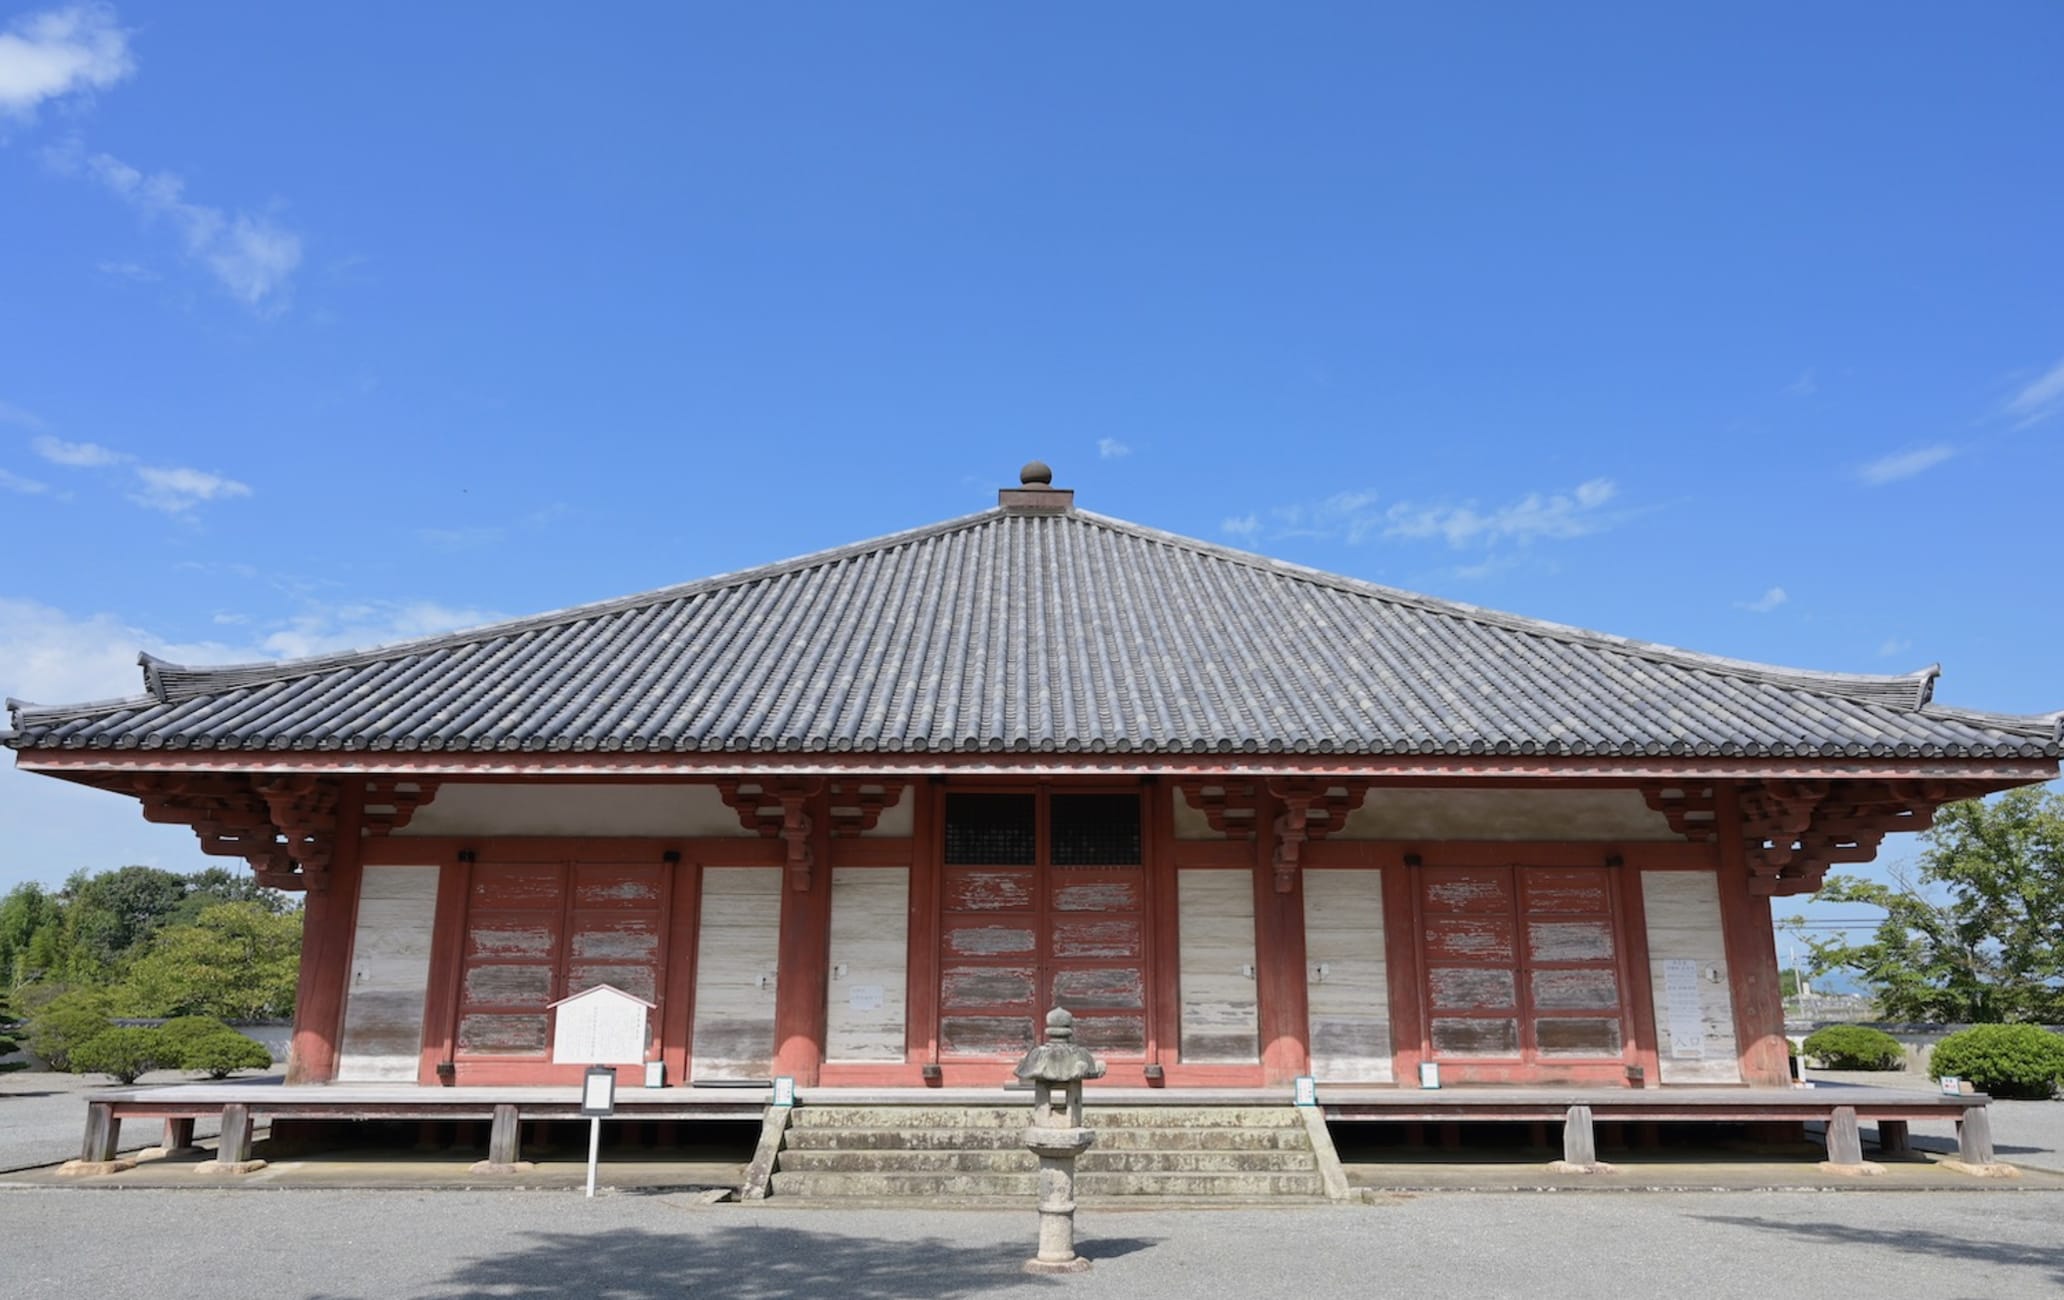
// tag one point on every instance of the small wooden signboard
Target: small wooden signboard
(600, 1026)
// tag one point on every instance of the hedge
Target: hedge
(2014, 1061)
(1855, 1047)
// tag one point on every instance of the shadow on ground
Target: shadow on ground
(753, 1262)
(2047, 1259)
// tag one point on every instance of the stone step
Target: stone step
(1011, 1137)
(1022, 1161)
(1097, 1117)
(942, 1184)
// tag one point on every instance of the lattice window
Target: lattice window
(992, 829)
(1095, 830)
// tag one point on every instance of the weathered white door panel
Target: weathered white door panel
(870, 949)
(390, 973)
(1347, 980)
(735, 961)
(1688, 978)
(1220, 1013)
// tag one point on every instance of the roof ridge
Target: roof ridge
(167, 681)
(1921, 682)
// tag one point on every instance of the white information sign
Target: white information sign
(602, 1026)
(1684, 1009)
(865, 997)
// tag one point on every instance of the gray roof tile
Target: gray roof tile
(1042, 632)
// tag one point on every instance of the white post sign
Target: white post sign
(598, 1099)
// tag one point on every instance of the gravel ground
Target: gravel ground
(43, 1116)
(216, 1244)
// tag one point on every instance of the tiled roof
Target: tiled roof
(1035, 631)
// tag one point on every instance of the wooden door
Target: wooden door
(735, 974)
(1522, 978)
(1042, 905)
(390, 975)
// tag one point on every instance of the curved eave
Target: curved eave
(1485, 768)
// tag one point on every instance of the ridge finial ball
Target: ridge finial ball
(1036, 474)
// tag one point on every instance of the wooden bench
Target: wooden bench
(239, 1106)
(1842, 1108)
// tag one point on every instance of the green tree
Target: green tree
(237, 961)
(211, 885)
(1994, 950)
(109, 917)
(29, 926)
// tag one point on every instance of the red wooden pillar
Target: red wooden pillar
(1278, 956)
(447, 966)
(805, 958)
(1408, 1043)
(327, 917)
(1751, 954)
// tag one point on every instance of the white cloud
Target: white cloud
(1245, 527)
(1534, 517)
(177, 490)
(249, 255)
(2039, 400)
(78, 455)
(53, 657)
(1905, 464)
(1112, 449)
(1804, 386)
(1764, 603)
(126, 271)
(1893, 645)
(16, 415)
(58, 52)
(14, 482)
(321, 630)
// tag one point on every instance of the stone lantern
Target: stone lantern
(1056, 1069)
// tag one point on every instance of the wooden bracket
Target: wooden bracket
(1689, 806)
(1793, 831)
(391, 801)
(778, 809)
(284, 827)
(1311, 811)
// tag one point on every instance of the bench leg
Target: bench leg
(1579, 1144)
(236, 1134)
(103, 1133)
(1892, 1137)
(1845, 1145)
(233, 1150)
(1844, 1138)
(178, 1139)
(1974, 1137)
(504, 1145)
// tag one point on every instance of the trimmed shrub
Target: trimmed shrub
(126, 1052)
(1854, 1047)
(60, 1028)
(218, 1054)
(2017, 1061)
(180, 1031)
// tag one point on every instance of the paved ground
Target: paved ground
(43, 1116)
(213, 1244)
(2025, 1133)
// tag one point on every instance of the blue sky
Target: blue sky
(1738, 330)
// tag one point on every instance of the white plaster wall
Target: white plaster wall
(575, 808)
(1428, 814)
(390, 974)
(1683, 910)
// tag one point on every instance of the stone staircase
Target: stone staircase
(978, 1152)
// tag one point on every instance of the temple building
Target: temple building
(861, 818)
